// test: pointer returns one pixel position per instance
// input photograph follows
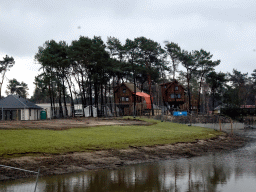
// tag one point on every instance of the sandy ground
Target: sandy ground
(112, 159)
(67, 123)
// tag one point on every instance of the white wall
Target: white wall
(87, 111)
(25, 114)
(78, 106)
(47, 107)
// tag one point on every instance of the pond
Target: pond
(227, 172)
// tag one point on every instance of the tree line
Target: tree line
(87, 70)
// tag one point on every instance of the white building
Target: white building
(15, 107)
(87, 110)
(50, 114)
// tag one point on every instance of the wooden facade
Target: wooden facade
(124, 93)
(124, 99)
(173, 93)
(194, 104)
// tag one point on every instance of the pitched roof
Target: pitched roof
(169, 84)
(146, 97)
(17, 102)
(131, 87)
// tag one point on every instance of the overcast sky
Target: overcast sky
(226, 28)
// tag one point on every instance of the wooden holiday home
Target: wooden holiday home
(124, 99)
(173, 93)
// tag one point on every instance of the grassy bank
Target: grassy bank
(21, 142)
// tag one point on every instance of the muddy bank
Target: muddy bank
(111, 159)
(62, 124)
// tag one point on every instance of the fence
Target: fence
(25, 171)
(123, 109)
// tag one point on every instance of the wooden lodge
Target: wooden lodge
(124, 99)
(173, 93)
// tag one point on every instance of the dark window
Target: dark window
(176, 88)
(124, 90)
(165, 86)
(179, 96)
(29, 112)
(172, 96)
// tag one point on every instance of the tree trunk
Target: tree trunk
(64, 98)
(53, 100)
(105, 97)
(189, 96)
(134, 87)
(118, 93)
(80, 91)
(212, 100)
(101, 100)
(134, 101)
(84, 97)
(150, 93)
(60, 104)
(109, 95)
(50, 94)
(96, 96)
(199, 95)
(113, 87)
(90, 92)
(71, 95)
(2, 84)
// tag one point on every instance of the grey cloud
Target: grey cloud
(27, 24)
(230, 10)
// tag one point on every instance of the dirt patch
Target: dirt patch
(59, 124)
(78, 162)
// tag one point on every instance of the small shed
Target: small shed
(87, 111)
(15, 107)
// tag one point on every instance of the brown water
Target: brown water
(228, 172)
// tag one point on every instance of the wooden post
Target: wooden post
(231, 126)
(220, 123)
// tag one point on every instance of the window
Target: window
(127, 99)
(124, 90)
(176, 88)
(175, 96)
(165, 86)
(123, 98)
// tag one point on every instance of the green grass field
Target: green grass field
(26, 142)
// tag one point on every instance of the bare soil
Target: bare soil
(68, 123)
(112, 159)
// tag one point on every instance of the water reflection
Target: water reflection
(234, 171)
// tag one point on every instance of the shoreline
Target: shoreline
(113, 159)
